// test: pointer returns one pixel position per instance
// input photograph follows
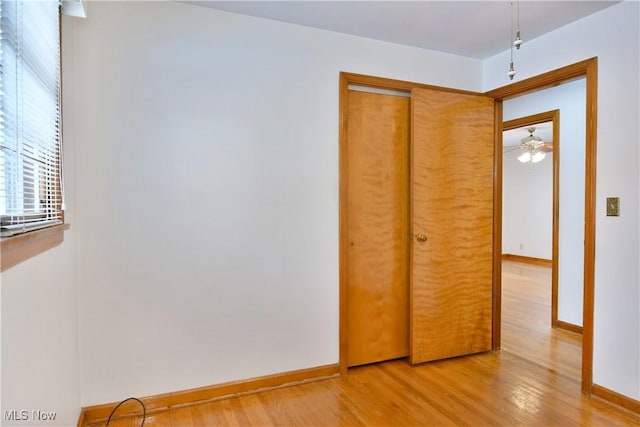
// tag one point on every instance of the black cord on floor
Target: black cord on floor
(144, 410)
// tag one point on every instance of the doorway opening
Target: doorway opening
(531, 209)
(586, 70)
(530, 195)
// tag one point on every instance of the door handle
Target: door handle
(421, 238)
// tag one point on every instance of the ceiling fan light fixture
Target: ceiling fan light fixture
(537, 157)
(530, 147)
(531, 139)
(524, 157)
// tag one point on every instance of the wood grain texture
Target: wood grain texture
(527, 260)
(489, 389)
(452, 204)
(526, 304)
(393, 84)
(98, 414)
(591, 72)
(616, 398)
(568, 326)
(345, 79)
(378, 228)
(81, 419)
(555, 238)
(504, 388)
(496, 321)
(588, 69)
(15, 249)
(544, 80)
(343, 203)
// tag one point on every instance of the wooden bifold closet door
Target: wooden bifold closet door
(420, 225)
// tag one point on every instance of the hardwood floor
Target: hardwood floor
(526, 320)
(533, 381)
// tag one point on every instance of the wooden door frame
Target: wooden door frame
(553, 116)
(347, 79)
(587, 69)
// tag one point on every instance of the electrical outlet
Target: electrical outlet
(613, 206)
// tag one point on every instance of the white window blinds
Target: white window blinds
(30, 135)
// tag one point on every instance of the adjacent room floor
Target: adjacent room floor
(534, 381)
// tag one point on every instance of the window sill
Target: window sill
(15, 249)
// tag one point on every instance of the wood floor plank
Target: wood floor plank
(526, 311)
(533, 381)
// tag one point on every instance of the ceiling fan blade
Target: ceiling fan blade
(509, 149)
(547, 147)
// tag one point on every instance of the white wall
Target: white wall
(613, 36)
(570, 99)
(242, 253)
(40, 337)
(207, 191)
(40, 360)
(527, 206)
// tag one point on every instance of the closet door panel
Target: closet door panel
(451, 273)
(378, 224)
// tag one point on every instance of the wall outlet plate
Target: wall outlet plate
(613, 206)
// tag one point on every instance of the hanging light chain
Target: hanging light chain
(518, 41)
(512, 71)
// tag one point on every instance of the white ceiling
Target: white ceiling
(476, 29)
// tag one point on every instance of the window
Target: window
(31, 193)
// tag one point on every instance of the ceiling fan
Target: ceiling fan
(532, 147)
